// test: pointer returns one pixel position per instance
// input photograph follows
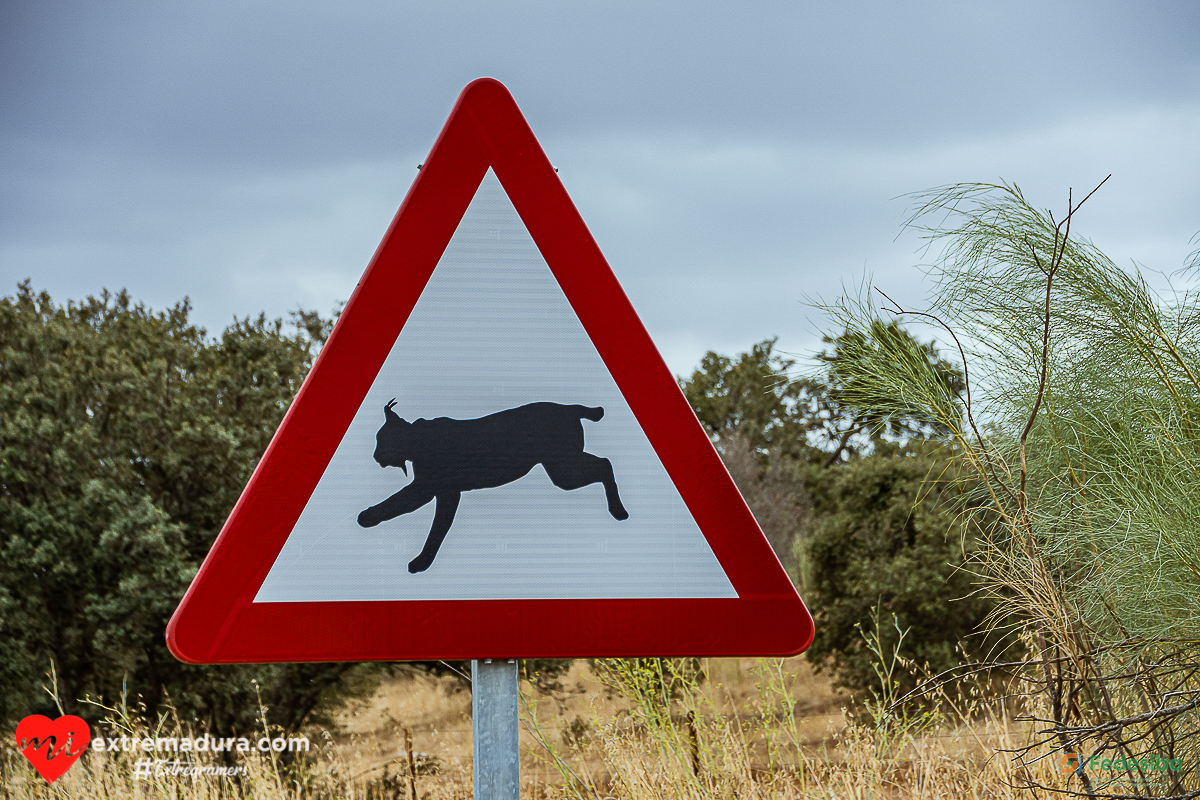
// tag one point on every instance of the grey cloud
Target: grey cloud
(729, 159)
(253, 85)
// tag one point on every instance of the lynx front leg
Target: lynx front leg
(447, 504)
(405, 501)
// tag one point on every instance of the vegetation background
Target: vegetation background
(128, 435)
(1016, 523)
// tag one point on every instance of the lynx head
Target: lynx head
(391, 441)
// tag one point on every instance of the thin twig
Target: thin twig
(983, 447)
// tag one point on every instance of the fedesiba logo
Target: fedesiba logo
(52, 745)
(1151, 762)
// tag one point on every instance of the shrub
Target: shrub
(889, 537)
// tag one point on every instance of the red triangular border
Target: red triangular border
(218, 622)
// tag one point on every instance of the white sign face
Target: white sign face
(494, 332)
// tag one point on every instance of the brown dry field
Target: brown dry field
(744, 740)
(437, 713)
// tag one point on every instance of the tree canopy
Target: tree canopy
(852, 492)
(127, 436)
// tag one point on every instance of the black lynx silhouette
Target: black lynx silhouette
(452, 456)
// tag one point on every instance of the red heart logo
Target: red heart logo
(52, 745)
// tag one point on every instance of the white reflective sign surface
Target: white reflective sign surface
(493, 331)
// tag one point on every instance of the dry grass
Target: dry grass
(762, 728)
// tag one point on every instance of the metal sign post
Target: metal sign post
(494, 729)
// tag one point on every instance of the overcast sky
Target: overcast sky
(730, 159)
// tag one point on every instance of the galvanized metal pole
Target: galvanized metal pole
(494, 730)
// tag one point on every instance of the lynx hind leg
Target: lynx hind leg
(584, 469)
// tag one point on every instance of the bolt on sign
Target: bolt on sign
(489, 458)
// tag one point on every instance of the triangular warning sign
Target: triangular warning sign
(489, 458)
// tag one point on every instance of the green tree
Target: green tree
(890, 540)
(777, 430)
(126, 437)
(850, 492)
(750, 397)
(757, 397)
